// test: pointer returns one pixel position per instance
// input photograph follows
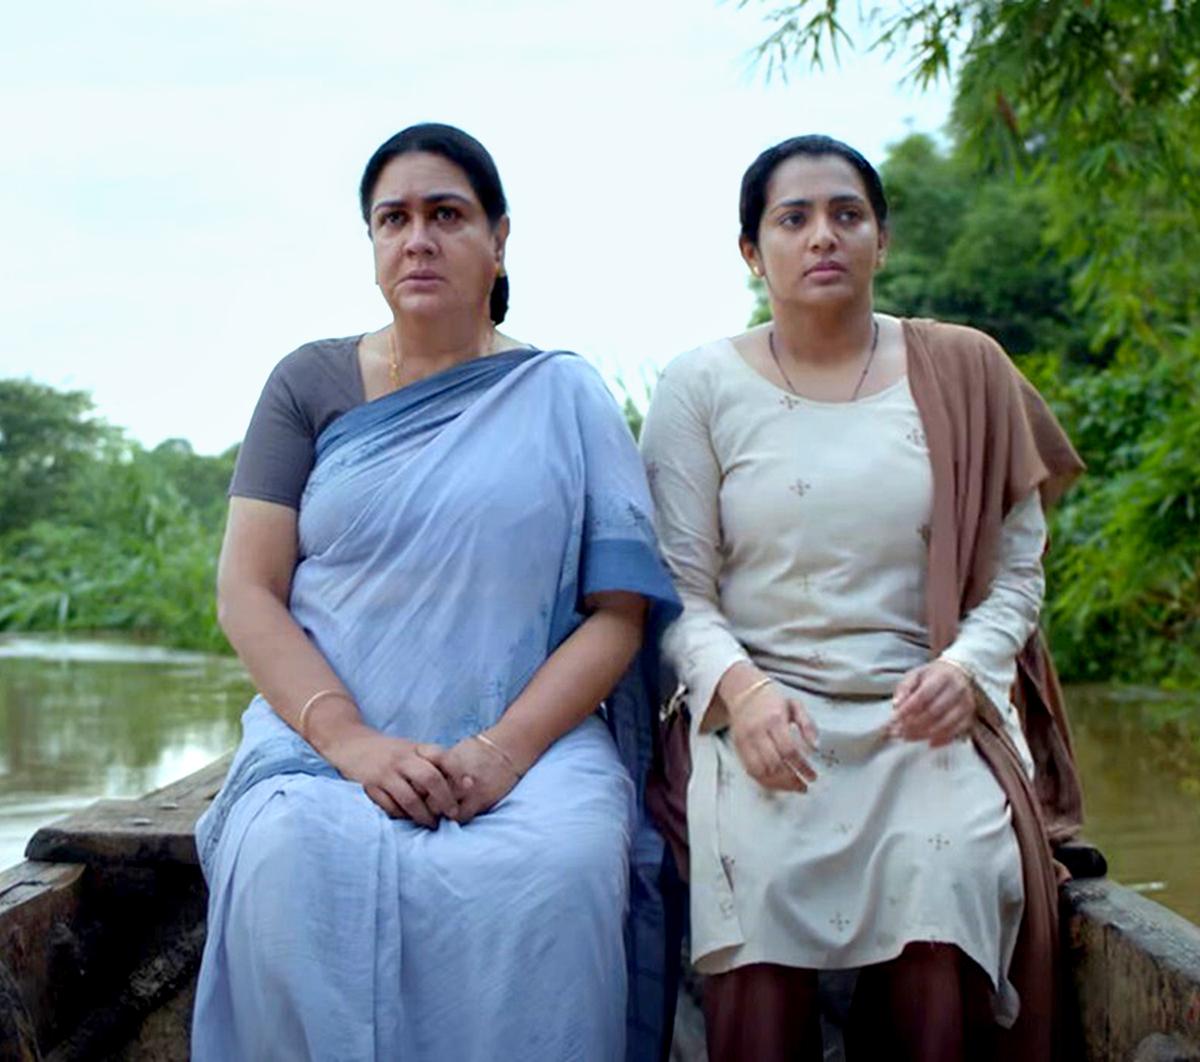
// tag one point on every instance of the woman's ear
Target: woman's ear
(882, 253)
(500, 238)
(750, 256)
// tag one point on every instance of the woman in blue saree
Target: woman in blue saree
(425, 846)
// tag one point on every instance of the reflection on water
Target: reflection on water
(1142, 809)
(81, 720)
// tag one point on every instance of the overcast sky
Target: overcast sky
(178, 178)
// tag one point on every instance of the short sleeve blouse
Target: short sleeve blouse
(307, 390)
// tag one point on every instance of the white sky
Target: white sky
(178, 179)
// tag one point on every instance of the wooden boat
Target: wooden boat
(101, 932)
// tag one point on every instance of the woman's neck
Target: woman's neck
(431, 346)
(823, 337)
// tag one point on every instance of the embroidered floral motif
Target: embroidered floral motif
(939, 842)
(840, 922)
(789, 402)
(916, 436)
(829, 758)
(800, 488)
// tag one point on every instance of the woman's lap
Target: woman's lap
(332, 921)
(895, 843)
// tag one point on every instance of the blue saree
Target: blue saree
(449, 533)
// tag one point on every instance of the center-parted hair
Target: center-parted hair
(754, 182)
(465, 152)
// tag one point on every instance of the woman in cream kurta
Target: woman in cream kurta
(797, 531)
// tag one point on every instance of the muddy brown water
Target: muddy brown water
(82, 719)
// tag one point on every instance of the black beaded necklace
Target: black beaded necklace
(862, 377)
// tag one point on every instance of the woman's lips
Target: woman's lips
(825, 267)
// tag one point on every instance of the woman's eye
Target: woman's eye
(392, 217)
(792, 220)
(849, 214)
(446, 213)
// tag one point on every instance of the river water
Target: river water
(87, 719)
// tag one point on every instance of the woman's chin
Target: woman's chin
(425, 304)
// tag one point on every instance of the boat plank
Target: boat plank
(154, 829)
(36, 901)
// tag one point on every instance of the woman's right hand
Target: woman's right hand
(771, 734)
(396, 774)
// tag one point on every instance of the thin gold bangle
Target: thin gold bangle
(320, 695)
(484, 739)
(747, 693)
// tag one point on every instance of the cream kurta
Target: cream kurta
(797, 532)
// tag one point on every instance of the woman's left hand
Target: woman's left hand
(935, 701)
(479, 776)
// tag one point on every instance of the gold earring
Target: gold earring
(500, 270)
(756, 271)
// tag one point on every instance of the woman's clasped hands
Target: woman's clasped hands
(422, 781)
(773, 736)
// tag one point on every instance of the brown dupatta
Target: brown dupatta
(992, 440)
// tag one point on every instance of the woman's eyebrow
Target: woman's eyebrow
(432, 199)
(840, 197)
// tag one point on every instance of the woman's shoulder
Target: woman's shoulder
(698, 369)
(958, 352)
(320, 359)
(949, 340)
(320, 379)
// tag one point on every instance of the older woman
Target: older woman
(849, 503)
(437, 566)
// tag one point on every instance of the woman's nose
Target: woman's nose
(821, 234)
(420, 239)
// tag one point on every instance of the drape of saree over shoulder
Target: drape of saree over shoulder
(448, 534)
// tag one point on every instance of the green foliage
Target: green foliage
(973, 249)
(47, 439)
(1126, 564)
(119, 538)
(1063, 220)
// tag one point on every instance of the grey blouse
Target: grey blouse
(307, 390)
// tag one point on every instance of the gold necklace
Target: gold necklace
(862, 376)
(395, 361)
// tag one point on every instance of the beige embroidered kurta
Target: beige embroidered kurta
(797, 532)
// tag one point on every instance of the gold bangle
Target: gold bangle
(747, 693)
(484, 739)
(320, 695)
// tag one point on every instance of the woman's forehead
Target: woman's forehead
(815, 177)
(421, 174)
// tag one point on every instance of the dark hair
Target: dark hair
(469, 155)
(754, 182)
